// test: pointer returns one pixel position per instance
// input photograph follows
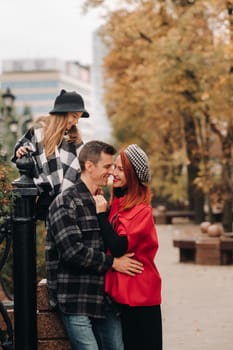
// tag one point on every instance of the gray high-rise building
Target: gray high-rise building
(103, 125)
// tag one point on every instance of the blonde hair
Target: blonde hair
(54, 130)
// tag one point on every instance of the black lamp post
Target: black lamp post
(24, 257)
(23, 225)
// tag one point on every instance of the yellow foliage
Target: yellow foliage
(167, 79)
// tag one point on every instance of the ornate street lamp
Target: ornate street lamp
(23, 231)
(6, 119)
(12, 124)
(8, 100)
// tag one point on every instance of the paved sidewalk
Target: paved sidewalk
(197, 306)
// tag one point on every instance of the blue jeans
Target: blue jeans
(87, 333)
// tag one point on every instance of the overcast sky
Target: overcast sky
(46, 29)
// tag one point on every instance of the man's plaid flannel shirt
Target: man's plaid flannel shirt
(75, 257)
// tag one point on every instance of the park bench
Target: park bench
(167, 216)
(226, 246)
(187, 248)
(171, 214)
(205, 250)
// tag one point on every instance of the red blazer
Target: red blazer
(138, 225)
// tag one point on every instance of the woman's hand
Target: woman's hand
(101, 203)
(21, 151)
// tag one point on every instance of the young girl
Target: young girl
(54, 143)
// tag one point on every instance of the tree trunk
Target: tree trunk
(227, 216)
(195, 195)
(192, 173)
(199, 201)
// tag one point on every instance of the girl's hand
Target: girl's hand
(101, 203)
(21, 151)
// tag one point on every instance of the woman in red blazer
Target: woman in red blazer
(129, 227)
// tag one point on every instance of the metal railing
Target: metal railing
(6, 335)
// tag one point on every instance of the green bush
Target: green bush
(8, 173)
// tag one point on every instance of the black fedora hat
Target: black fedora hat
(69, 102)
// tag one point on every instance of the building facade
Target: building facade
(103, 125)
(36, 83)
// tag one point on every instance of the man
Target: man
(76, 261)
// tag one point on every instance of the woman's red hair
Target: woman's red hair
(137, 192)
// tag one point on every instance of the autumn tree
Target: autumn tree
(168, 87)
(196, 83)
